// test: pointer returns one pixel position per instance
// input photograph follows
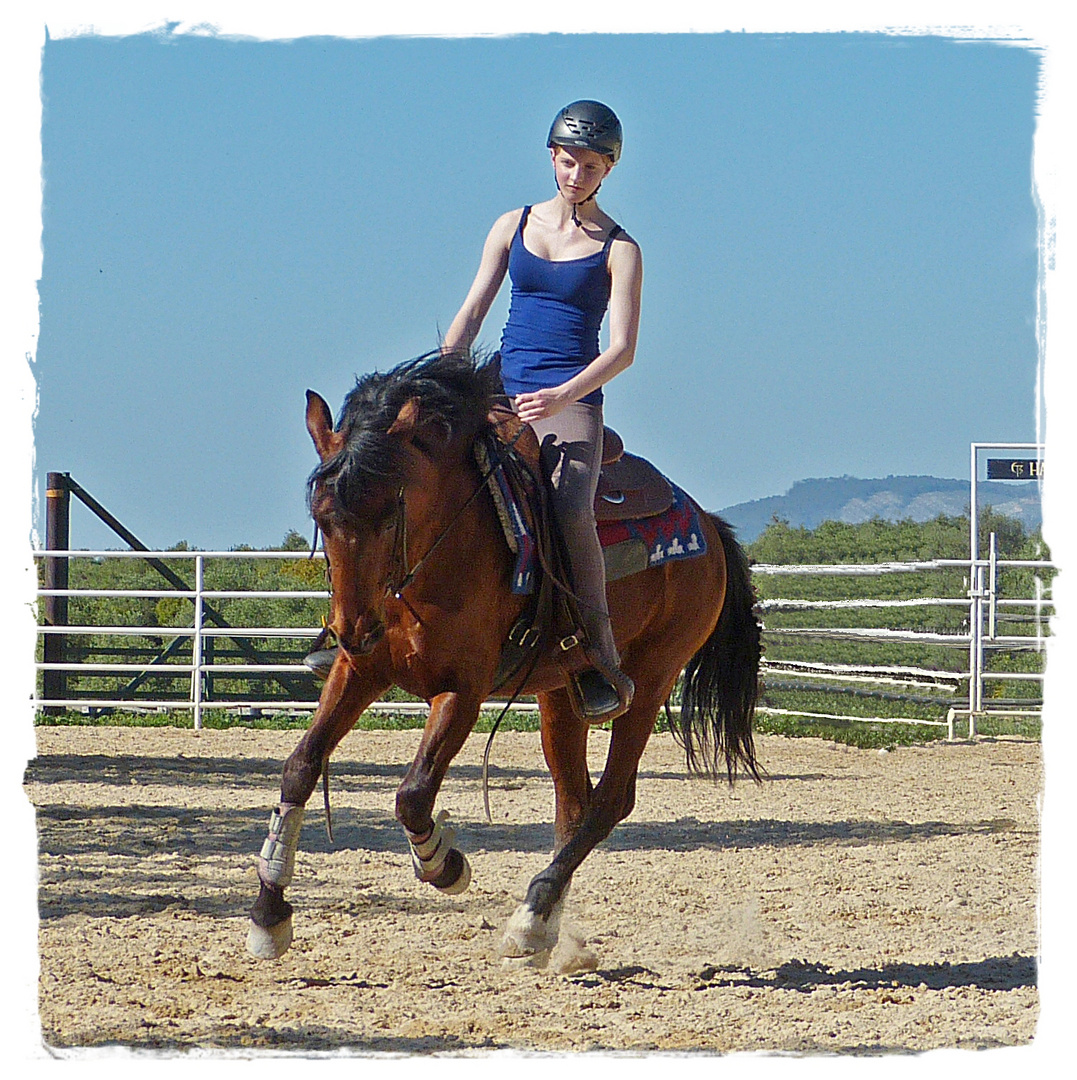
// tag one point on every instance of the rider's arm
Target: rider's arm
(495, 261)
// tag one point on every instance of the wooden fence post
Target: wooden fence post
(57, 538)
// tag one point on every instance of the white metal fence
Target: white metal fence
(982, 602)
(197, 669)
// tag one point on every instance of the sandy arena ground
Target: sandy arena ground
(857, 901)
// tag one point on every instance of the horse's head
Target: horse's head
(389, 464)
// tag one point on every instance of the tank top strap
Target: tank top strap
(523, 222)
(614, 233)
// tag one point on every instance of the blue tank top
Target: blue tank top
(554, 316)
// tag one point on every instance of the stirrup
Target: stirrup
(598, 696)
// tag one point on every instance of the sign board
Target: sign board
(1014, 469)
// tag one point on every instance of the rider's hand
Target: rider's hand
(541, 404)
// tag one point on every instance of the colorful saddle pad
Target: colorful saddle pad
(633, 545)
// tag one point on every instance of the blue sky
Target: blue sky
(839, 236)
(840, 268)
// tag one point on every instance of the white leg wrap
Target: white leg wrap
(276, 861)
(428, 856)
(461, 883)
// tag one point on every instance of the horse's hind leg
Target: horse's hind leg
(564, 744)
(533, 929)
(347, 692)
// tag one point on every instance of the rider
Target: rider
(568, 262)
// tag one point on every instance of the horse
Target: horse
(420, 598)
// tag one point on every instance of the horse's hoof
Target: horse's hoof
(463, 879)
(271, 943)
(534, 960)
(321, 661)
(526, 934)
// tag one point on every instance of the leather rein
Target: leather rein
(400, 552)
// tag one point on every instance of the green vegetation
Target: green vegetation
(220, 719)
(831, 542)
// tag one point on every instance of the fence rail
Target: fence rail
(982, 602)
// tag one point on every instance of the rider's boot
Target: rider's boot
(601, 691)
(322, 656)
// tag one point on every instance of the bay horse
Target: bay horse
(420, 576)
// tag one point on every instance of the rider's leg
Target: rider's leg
(573, 459)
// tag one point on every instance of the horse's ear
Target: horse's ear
(430, 436)
(320, 424)
(407, 420)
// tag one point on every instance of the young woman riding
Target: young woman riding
(568, 262)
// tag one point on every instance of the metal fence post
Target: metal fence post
(196, 643)
(992, 588)
(973, 619)
(976, 685)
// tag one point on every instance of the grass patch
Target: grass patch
(1025, 727)
(850, 732)
(74, 718)
(862, 735)
(221, 719)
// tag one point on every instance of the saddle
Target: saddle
(629, 488)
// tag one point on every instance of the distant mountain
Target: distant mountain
(845, 498)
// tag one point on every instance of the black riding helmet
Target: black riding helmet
(589, 125)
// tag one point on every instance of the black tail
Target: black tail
(721, 682)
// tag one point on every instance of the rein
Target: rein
(402, 529)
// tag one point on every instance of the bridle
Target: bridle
(399, 576)
(399, 561)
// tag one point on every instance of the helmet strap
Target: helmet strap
(590, 198)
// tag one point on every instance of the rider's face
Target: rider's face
(578, 172)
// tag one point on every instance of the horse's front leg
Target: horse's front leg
(452, 716)
(347, 692)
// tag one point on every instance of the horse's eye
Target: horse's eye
(386, 520)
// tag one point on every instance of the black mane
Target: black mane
(454, 388)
